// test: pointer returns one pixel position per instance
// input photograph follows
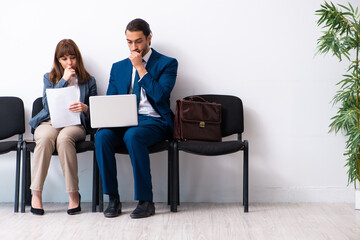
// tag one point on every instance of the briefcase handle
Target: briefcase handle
(192, 98)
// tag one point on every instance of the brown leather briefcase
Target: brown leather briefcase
(197, 120)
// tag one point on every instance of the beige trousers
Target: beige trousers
(65, 138)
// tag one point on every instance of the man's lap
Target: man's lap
(149, 131)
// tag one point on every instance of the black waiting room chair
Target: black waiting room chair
(29, 146)
(12, 123)
(232, 123)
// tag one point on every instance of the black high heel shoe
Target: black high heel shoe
(76, 210)
(37, 211)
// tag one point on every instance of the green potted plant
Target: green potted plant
(341, 37)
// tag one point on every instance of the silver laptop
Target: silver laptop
(113, 111)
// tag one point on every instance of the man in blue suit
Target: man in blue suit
(151, 76)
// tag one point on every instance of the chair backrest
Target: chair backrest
(12, 120)
(36, 108)
(232, 113)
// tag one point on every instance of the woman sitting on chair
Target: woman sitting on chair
(68, 70)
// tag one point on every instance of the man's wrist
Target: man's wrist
(141, 71)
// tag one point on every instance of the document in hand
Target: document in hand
(59, 100)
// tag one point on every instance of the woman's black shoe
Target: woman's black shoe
(37, 211)
(76, 210)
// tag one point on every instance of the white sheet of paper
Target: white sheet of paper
(59, 100)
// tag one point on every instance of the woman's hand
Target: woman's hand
(69, 73)
(78, 107)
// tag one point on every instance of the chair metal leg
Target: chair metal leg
(95, 188)
(23, 180)
(101, 195)
(170, 162)
(28, 180)
(175, 179)
(246, 177)
(17, 179)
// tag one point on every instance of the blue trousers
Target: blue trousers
(150, 130)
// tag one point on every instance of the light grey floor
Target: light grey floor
(317, 221)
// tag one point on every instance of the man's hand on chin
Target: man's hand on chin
(136, 60)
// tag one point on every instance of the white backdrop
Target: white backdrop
(262, 51)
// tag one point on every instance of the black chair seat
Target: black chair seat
(8, 146)
(211, 148)
(81, 146)
(85, 146)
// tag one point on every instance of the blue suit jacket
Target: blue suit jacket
(158, 82)
(86, 90)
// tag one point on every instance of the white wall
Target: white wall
(262, 51)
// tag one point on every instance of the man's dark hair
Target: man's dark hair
(139, 24)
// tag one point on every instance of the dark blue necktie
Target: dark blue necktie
(136, 88)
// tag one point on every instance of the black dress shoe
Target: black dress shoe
(73, 211)
(143, 209)
(37, 211)
(113, 209)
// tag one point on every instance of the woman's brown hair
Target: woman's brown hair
(68, 47)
